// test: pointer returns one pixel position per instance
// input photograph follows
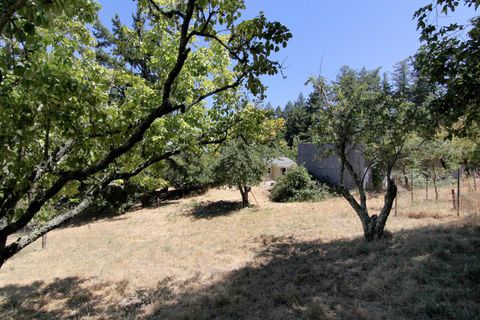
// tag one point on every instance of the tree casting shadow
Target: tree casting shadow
(426, 273)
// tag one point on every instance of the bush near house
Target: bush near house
(297, 186)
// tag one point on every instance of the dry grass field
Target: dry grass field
(204, 258)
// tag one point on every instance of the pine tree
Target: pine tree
(401, 79)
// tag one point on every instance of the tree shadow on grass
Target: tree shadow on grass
(215, 209)
(426, 273)
(30, 301)
(114, 207)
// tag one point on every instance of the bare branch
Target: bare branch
(232, 53)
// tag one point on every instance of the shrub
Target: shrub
(298, 186)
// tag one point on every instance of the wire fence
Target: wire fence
(425, 201)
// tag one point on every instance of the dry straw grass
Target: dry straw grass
(204, 258)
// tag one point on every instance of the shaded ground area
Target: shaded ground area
(119, 201)
(431, 272)
(210, 210)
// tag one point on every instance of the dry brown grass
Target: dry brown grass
(443, 208)
(470, 197)
(199, 258)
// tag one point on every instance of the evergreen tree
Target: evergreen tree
(386, 86)
(297, 121)
(401, 78)
(278, 112)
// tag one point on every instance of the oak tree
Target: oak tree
(71, 123)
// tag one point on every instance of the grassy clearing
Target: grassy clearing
(205, 258)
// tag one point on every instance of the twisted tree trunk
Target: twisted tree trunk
(374, 225)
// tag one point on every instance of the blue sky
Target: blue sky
(370, 33)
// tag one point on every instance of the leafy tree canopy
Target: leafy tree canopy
(357, 115)
(81, 109)
(449, 58)
(241, 165)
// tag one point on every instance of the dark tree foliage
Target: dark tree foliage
(190, 171)
(298, 120)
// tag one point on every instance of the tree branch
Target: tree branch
(24, 241)
(213, 92)
(12, 198)
(165, 108)
(169, 14)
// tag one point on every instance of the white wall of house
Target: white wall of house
(274, 172)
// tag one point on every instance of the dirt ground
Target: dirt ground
(169, 261)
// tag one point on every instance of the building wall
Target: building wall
(276, 171)
(326, 168)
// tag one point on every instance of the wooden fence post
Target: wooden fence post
(454, 202)
(411, 189)
(426, 187)
(396, 197)
(458, 191)
(475, 180)
(44, 241)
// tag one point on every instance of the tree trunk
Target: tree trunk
(3, 243)
(405, 178)
(374, 226)
(244, 192)
(372, 229)
(3, 240)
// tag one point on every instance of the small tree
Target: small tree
(358, 115)
(242, 165)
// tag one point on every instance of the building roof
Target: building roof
(283, 162)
